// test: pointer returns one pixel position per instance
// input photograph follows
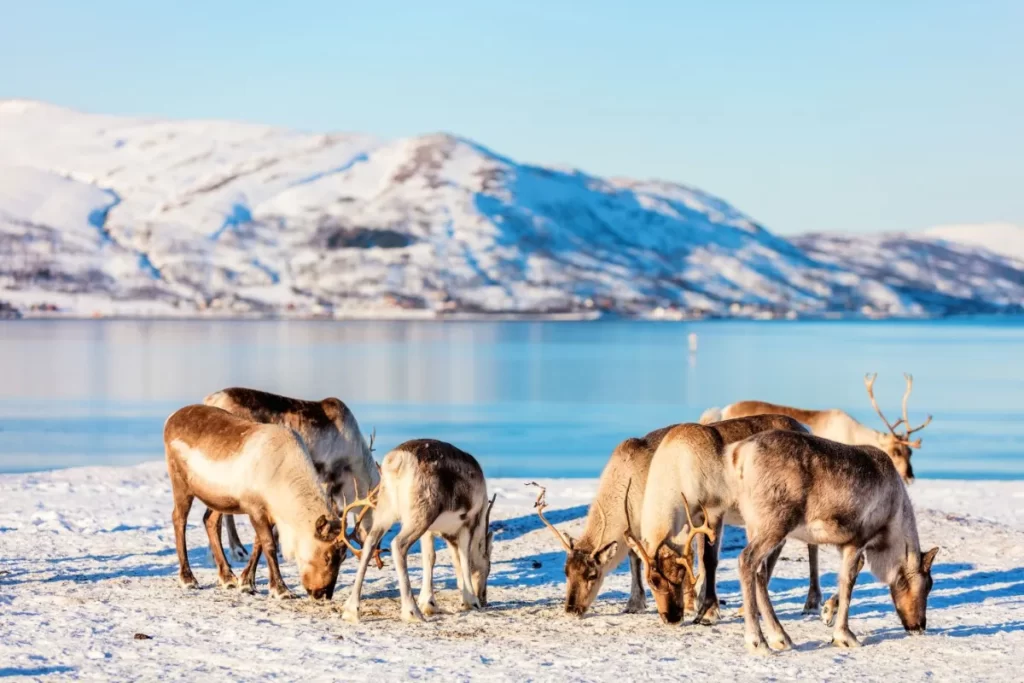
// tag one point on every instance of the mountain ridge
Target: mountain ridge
(147, 216)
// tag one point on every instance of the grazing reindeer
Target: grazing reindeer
(823, 492)
(432, 486)
(342, 458)
(689, 461)
(236, 466)
(602, 545)
(839, 426)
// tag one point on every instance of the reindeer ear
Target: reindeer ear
(605, 554)
(928, 558)
(323, 529)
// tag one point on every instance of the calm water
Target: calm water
(528, 399)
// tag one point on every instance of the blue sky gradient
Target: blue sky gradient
(807, 115)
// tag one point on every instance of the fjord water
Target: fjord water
(527, 398)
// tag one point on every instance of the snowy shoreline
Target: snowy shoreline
(87, 561)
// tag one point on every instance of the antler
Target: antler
(869, 384)
(632, 540)
(367, 503)
(685, 561)
(906, 420)
(540, 505)
(373, 437)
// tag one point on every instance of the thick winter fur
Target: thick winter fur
(331, 433)
(431, 486)
(602, 545)
(828, 424)
(236, 466)
(689, 461)
(822, 492)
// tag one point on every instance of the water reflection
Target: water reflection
(530, 398)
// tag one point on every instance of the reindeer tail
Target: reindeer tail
(711, 415)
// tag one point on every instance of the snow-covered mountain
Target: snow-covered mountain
(146, 216)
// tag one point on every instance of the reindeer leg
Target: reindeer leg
(831, 606)
(709, 612)
(238, 552)
(428, 555)
(814, 587)
(406, 536)
(212, 521)
(247, 583)
(469, 599)
(637, 600)
(182, 506)
(265, 533)
(351, 611)
(841, 634)
(778, 639)
(748, 563)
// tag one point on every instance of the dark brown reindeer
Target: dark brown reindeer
(342, 458)
(237, 466)
(789, 484)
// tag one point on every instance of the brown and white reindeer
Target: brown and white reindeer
(429, 486)
(236, 466)
(788, 484)
(839, 426)
(686, 477)
(602, 545)
(342, 458)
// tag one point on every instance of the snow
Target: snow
(1006, 239)
(88, 562)
(226, 218)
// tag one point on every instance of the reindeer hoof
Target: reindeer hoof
(709, 616)
(228, 582)
(281, 593)
(780, 642)
(412, 615)
(428, 607)
(828, 611)
(636, 607)
(468, 605)
(238, 554)
(351, 616)
(759, 648)
(845, 639)
(188, 581)
(812, 605)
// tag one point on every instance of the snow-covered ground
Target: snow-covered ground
(87, 562)
(113, 215)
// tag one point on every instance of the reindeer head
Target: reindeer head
(480, 555)
(585, 568)
(668, 573)
(910, 588)
(898, 446)
(320, 558)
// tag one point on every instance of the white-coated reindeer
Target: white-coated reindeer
(236, 466)
(431, 487)
(342, 457)
(837, 425)
(602, 545)
(796, 485)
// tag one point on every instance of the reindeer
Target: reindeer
(342, 458)
(236, 466)
(839, 426)
(429, 486)
(602, 546)
(688, 462)
(791, 484)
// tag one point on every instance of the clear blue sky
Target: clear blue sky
(814, 115)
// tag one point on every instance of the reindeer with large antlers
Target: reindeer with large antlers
(688, 462)
(342, 457)
(837, 425)
(602, 545)
(430, 487)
